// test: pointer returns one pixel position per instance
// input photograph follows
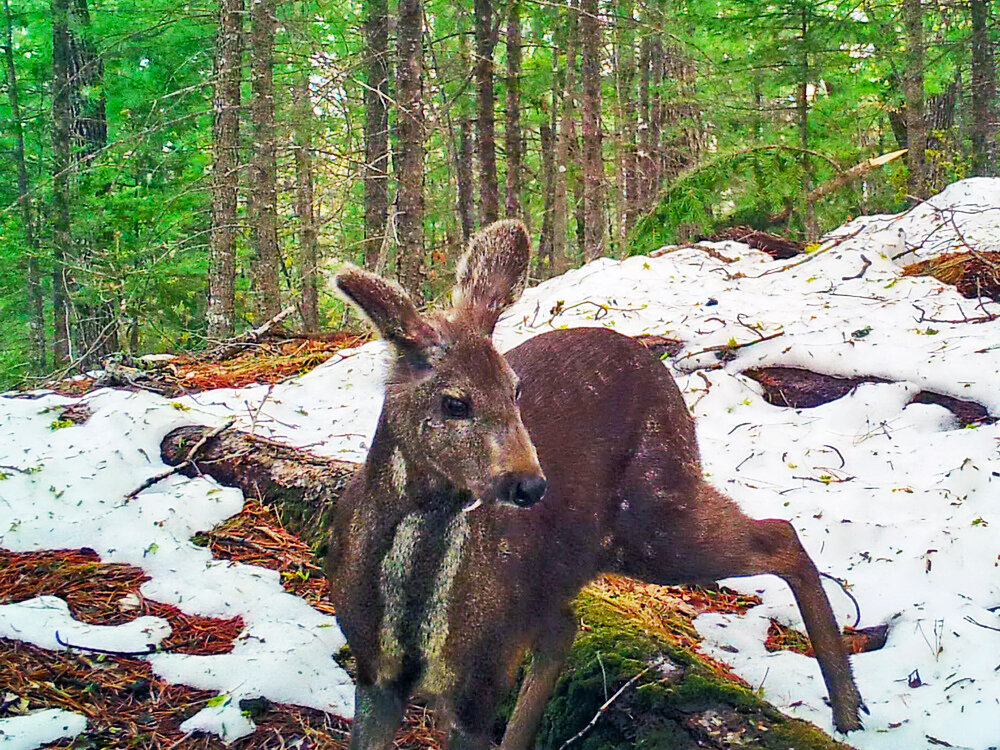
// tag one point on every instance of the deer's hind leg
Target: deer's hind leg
(695, 533)
(547, 659)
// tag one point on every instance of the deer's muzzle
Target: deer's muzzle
(520, 489)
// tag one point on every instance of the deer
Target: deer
(496, 487)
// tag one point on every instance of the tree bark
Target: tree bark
(263, 199)
(90, 125)
(513, 138)
(225, 168)
(565, 149)
(376, 129)
(36, 305)
(62, 164)
(308, 244)
(463, 178)
(593, 165)
(489, 192)
(913, 90)
(410, 126)
(983, 92)
(627, 117)
(546, 260)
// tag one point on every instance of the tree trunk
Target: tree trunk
(376, 129)
(802, 107)
(627, 117)
(36, 306)
(410, 125)
(489, 192)
(913, 90)
(513, 139)
(565, 140)
(593, 166)
(263, 200)
(546, 262)
(463, 177)
(308, 245)
(983, 92)
(90, 125)
(225, 168)
(62, 164)
(676, 693)
(642, 156)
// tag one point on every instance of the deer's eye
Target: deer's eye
(455, 408)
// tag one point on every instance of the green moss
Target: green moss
(678, 702)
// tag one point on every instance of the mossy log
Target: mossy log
(672, 698)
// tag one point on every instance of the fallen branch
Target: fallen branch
(730, 347)
(251, 337)
(188, 460)
(150, 649)
(602, 709)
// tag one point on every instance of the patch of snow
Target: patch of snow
(45, 621)
(39, 727)
(887, 495)
(223, 718)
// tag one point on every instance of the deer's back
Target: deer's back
(594, 401)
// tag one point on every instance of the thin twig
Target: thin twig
(968, 618)
(188, 461)
(602, 709)
(730, 347)
(843, 587)
(150, 649)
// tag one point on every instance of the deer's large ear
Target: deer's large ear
(390, 310)
(491, 275)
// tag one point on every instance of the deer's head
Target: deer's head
(451, 398)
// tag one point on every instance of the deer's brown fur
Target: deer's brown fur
(438, 596)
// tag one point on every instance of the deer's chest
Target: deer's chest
(417, 585)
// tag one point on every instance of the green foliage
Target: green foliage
(726, 105)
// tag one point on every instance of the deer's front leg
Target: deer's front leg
(547, 660)
(378, 711)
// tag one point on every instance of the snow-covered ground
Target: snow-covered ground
(891, 496)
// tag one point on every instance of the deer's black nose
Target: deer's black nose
(522, 490)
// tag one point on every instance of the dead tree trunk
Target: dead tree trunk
(225, 168)
(62, 165)
(263, 200)
(565, 141)
(983, 91)
(512, 132)
(376, 129)
(593, 164)
(410, 126)
(489, 192)
(308, 244)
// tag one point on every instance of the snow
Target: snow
(890, 496)
(37, 728)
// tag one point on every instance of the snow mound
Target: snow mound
(965, 215)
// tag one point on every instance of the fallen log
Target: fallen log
(805, 389)
(665, 695)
